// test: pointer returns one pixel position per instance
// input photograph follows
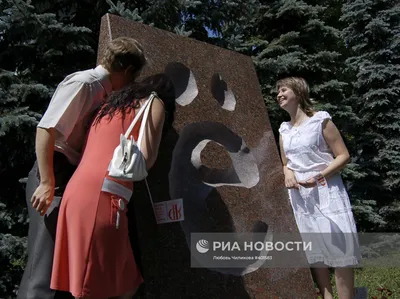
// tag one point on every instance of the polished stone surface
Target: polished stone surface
(221, 158)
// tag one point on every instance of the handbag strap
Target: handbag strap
(144, 120)
(146, 109)
(151, 199)
(138, 115)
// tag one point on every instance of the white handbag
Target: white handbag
(128, 163)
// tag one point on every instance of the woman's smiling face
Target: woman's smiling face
(286, 97)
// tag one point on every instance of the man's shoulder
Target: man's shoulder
(84, 77)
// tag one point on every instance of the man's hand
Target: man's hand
(42, 197)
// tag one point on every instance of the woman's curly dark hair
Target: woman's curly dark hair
(128, 98)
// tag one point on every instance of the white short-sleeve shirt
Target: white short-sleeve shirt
(71, 108)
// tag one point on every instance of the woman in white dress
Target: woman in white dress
(313, 153)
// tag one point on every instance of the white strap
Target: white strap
(133, 123)
(146, 108)
(116, 188)
(151, 199)
(144, 121)
(137, 116)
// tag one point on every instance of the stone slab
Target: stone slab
(236, 187)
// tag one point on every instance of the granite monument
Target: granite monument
(221, 159)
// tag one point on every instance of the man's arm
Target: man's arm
(64, 111)
(43, 195)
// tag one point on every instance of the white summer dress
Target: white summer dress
(323, 214)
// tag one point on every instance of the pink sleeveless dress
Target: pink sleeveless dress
(93, 255)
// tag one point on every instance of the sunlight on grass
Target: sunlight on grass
(373, 276)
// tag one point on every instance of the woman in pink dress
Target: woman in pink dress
(93, 257)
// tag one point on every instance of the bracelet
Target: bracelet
(320, 179)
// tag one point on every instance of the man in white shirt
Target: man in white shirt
(60, 139)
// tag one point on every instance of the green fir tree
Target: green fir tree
(291, 39)
(301, 38)
(37, 52)
(372, 34)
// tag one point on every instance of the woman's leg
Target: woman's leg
(345, 282)
(322, 277)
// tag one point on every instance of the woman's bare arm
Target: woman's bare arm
(153, 132)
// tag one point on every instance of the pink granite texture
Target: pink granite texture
(231, 116)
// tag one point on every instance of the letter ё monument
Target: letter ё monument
(221, 159)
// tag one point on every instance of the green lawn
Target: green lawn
(374, 278)
(374, 275)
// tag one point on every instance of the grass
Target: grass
(375, 276)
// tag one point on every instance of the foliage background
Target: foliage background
(349, 52)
